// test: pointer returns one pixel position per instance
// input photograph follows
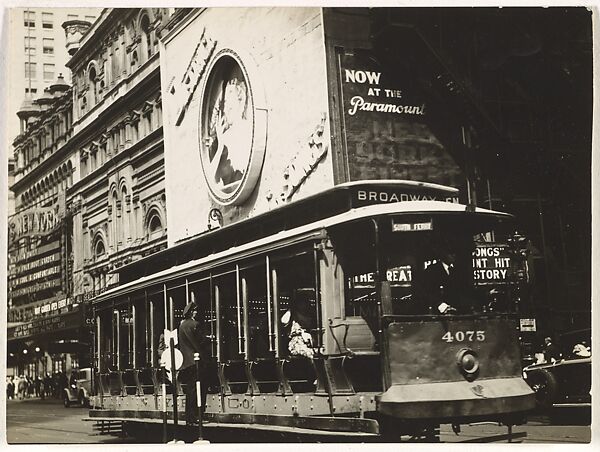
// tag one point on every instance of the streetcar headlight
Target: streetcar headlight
(467, 361)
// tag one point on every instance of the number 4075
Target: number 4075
(464, 336)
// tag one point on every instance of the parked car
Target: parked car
(566, 382)
(79, 388)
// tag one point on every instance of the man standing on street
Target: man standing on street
(192, 340)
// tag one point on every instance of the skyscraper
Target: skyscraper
(37, 54)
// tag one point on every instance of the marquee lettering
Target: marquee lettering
(38, 221)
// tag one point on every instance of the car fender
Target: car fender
(549, 386)
(84, 391)
(67, 391)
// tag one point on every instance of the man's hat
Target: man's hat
(188, 308)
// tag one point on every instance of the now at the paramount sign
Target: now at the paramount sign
(375, 97)
(38, 221)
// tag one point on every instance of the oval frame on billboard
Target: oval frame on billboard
(232, 129)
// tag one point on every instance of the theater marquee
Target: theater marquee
(386, 123)
(39, 221)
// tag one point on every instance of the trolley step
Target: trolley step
(108, 427)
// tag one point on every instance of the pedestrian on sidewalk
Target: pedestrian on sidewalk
(10, 388)
(48, 385)
(38, 386)
(22, 387)
(30, 387)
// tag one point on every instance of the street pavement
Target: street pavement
(35, 421)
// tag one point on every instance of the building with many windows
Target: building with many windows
(89, 191)
(37, 52)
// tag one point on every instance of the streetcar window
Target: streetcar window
(115, 340)
(125, 335)
(231, 321)
(255, 294)
(408, 257)
(142, 330)
(296, 290)
(177, 300)
(200, 293)
(106, 341)
(157, 321)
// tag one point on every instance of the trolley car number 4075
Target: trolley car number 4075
(464, 336)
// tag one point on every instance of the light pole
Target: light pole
(37, 361)
(24, 362)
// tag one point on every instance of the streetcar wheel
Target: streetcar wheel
(545, 386)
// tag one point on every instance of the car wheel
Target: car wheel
(82, 400)
(544, 385)
(66, 401)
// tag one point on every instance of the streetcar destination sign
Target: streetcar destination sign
(410, 227)
(364, 197)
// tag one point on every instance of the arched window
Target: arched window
(146, 36)
(125, 210)
(154, 227)
(93, 86)
(115, 221)
(134, 59)
(99, 249)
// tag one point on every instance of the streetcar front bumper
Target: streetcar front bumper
(452, 400)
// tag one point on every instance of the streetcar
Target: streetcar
(349, 265)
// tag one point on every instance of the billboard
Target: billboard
(386, 124)
(245, 115)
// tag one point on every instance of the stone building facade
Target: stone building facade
(89, 185)
(118, 202)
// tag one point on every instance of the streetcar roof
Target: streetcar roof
(356, 214)
(400, 183)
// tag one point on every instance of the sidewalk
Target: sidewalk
(48, 400)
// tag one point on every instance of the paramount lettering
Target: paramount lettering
(358, 103)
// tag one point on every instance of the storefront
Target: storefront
(46, 332)
(56, 343)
